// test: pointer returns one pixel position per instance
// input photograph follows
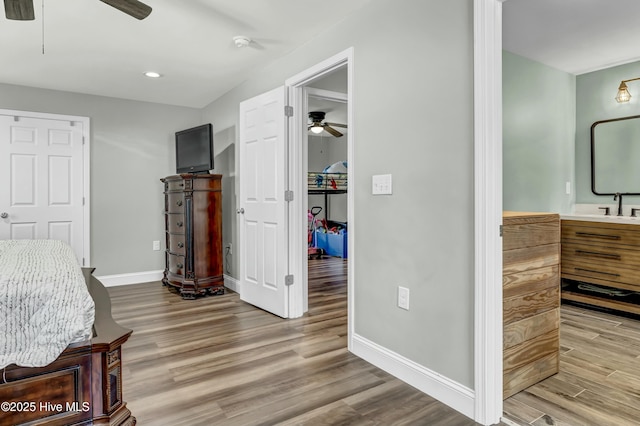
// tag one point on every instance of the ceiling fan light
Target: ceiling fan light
(316, 128)
(623, 93)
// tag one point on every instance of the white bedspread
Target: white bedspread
(44, 302)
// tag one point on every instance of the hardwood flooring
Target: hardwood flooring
(219, 361)
(599, 379)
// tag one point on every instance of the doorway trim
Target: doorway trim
(488, 210)
(297, 162)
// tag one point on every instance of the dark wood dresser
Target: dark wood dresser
(193, 226)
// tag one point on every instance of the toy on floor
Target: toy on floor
(313, 250)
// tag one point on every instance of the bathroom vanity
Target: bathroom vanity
(601, 261)
(531, 298)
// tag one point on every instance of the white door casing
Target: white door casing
(44, 169)
(262, 211)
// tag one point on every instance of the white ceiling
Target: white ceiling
(576, 36)
(90, 47)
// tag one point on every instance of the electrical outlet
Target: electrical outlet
(403, 298)
(156, 245)
(567, 188)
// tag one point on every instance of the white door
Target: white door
(42, 173)
(262, 209)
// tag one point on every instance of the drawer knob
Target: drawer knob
(179, 224)
(179, 203)
(180, 244)
(179, 265)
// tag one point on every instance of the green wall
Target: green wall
(547, 118)
(595, 101)
(539, 116)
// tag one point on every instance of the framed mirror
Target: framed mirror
(615, 156)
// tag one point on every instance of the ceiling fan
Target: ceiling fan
(318, 124)
(22, 10)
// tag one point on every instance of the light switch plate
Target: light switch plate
(381, 185)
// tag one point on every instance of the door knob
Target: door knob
(240, 211)
(4, 215)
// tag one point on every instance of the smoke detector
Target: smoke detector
(241, 41)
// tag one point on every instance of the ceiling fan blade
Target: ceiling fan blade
(336, 125)
(133, 8)
(19, 10)
(332, 131)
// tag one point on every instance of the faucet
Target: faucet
(618, 196)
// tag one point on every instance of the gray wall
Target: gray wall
(422, 236)
(539, 116)
(595, 101)
(131, 149)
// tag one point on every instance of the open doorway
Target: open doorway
(334, 74)
(327, 181)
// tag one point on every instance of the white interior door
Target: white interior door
(263, 210)
(43, 180)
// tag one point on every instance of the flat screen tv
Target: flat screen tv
(194, 149)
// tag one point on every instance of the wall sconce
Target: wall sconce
(623, 94)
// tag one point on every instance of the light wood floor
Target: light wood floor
(599, 379)
(219, 361)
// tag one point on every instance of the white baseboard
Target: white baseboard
(132, 278)
(232, 283)
(145, 277)
(447, 391)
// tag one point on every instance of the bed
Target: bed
(60, 349)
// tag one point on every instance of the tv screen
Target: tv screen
(194, 149)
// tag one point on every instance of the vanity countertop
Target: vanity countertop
(602, 218)
(595, 213)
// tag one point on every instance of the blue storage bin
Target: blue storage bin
(332, 244)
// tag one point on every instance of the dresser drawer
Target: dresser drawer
(177, 244)
(176, 264)
(601, 254)
(611, 234)
(601, 273)
(174, 185)
(175, 203)
(176, 223)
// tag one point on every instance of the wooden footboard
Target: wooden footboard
(82, 386)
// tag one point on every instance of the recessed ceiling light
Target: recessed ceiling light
(152, 74)
(241, 41)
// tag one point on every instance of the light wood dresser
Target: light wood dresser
(605, 254)
(531, 298)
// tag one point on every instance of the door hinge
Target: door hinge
(501, 230)
(83, 140)
(83, 201)
(288, 280)
(288, 196)
(288, 111)
(83, 261)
